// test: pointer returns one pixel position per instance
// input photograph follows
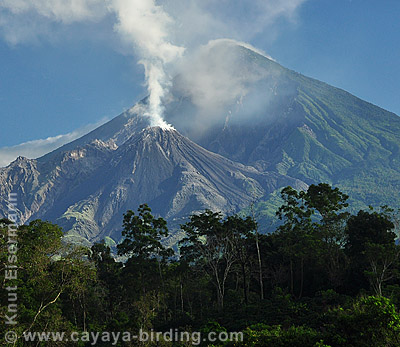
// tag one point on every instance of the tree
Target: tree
(371, 248)
(257, 242)
(143, 234)
(49, 273)
(394, 216)
(297, 232)
(265, 335)
(370, 322)
(109, 284)
(212, 245)
(326, 200)
(313, 231)
(330, 204)
(240, 230)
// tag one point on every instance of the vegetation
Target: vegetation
(324, 277)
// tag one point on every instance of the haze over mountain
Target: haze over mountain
(285, 122)
(266, 127)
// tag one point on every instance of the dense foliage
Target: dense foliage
(323, 278)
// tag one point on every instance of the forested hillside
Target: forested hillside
(325, 277)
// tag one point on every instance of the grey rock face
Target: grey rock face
(280, 128)
(86, 190)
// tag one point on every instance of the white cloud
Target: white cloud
(152, 26)
(201, 21)
(65, 11)
(156, 32)
(37, 148)
(26, 21)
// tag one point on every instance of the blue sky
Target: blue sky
(65, 72)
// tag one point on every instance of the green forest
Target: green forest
(324, 277)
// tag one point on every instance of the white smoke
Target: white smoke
(156, 32)
(215, 74)
(144, 26)
(220, 82)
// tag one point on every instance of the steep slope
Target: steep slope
(115, 131)
(93, 186)
(284, 128)
(295, 125)
(42, 186)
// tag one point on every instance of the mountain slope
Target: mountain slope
(87, 190)
(276, 128)
(306, 129)
(116, 131)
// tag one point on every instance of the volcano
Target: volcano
(285, 122)
(87, 190)
(278, 128)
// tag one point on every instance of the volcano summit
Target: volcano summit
(236, 142)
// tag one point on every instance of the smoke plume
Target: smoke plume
(218, 83)
(156, 33)
(144, 25)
